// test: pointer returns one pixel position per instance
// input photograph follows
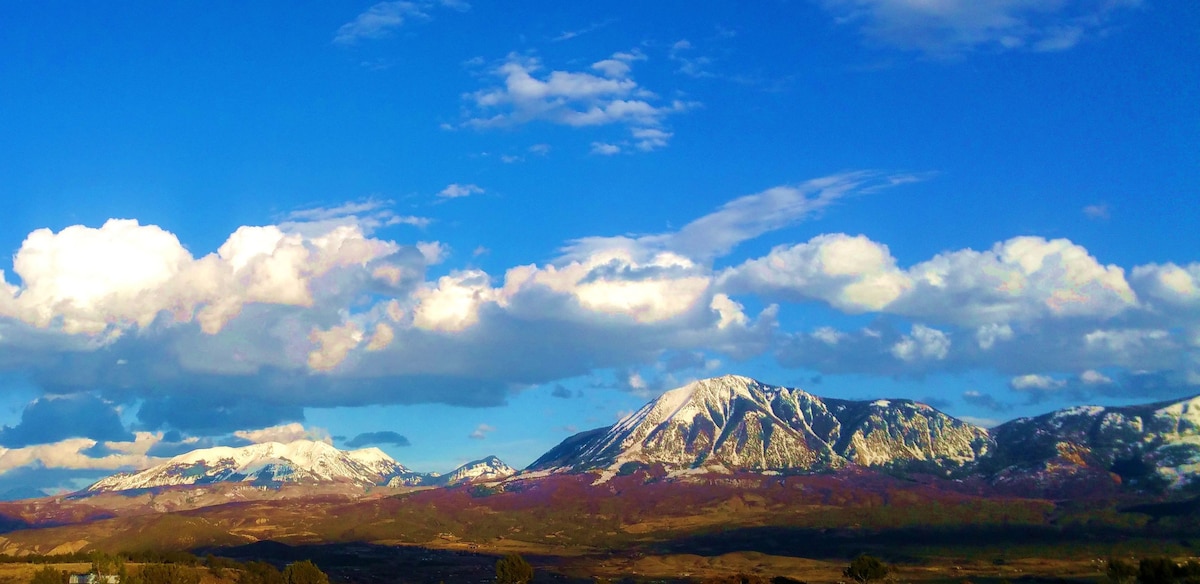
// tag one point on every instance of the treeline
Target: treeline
(178, 568)
(145, 557)
(1153, 571)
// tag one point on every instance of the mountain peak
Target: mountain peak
(738, 423)
(302, 461)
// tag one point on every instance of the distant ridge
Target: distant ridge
(303, 462)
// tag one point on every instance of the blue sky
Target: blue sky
(461, 230)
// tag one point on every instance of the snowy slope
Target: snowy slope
(303, 462)
(737, 423)
(486, 469)
(1155, 444)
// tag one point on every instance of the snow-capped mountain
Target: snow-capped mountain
(737, 423)
(301, 462)
(485, 469)
(1151, 445)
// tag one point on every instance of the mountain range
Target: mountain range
(735, 424)
(303, 462)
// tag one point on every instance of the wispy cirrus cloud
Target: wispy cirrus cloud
(951, 27)
(381, 20)
(378, 21)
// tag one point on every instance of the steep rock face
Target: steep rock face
(888, 431)
(1155, 443)
(738, 423)
(301, 462)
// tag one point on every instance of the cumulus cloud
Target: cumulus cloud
(319, 312)
(1022, 279)
(922, 343)
(481, 432)
(384, 437)
(949, 27)
(124, 275)
(71, 454)
(284, 434)
(333, 345)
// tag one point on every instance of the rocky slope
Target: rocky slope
(1154, 445)
(737, 423)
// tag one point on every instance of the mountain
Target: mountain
(737, 423)
(485, 469)
(271, 463)
(1154, 445)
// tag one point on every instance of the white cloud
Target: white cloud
(481, 432)
(321, 317)
(453, 304)
(332, 345)
(1169, 286)
(1035, 381)
(378, 21)
(89, 278)
(367, 215)
(123, 275)
(647, 139)
(988, 334)
(605, 149)
(573, 98)
(948, 27)
(455, 191)
(1023, 279)
(434, 252)
(1093, 377)
(384, 335)
(284, 434)
(615, 281)
(923, 343)
(853, 274)
(71, 454)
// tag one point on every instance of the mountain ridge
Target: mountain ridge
(302, 462)
(692, 428)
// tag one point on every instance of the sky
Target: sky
(450, 229)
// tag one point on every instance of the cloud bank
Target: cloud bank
(122, 321)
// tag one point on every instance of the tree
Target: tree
(106, 565)
(48, 575)
(304, 572)
(163, 574)
(513, 569)
(259, 573)
(1120, 571)
(1156, 571)
(864, 569)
